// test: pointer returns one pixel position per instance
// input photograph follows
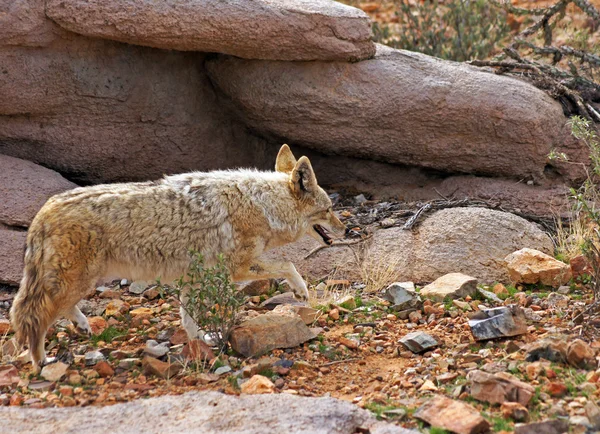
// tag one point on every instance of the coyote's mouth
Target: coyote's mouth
(323, 233)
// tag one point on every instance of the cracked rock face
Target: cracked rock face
(204, 413)
(275, 29)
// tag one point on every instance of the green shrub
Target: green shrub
(458, 30)
(210, 298)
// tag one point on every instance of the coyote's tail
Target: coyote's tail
(29, 312)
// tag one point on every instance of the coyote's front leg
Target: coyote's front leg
(257, 270)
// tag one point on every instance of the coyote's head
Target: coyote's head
(314, 204)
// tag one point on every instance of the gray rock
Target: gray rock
(93, 357)
(473, 241)
(204, 413)
(128, 363)
(403, 296)
(553, 349)
(41, 386)
(276, 29)
(489, 296)
(155, 349)
(531, 315)
(554, 426)
(498, 322)
(419, 342)
(12, 245)
(223, 370)
(556, 300)
(360, 199)
(279, 299)
(580, 420)
(592, 412)
(165, 335)
(138, 286)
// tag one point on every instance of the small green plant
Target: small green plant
(458, 30)
(501, 424)
(379, 410)
(108, 335)
(331, 353)
(438, 430)
(448, 303)
(210, 298)
(233, 382)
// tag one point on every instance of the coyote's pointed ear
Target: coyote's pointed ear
(285, 160)
(302, 178)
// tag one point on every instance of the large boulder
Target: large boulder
(24, 188)
(12, 246)
(206, 413)
(260, 29)
(405, 108)
(99, 111)
(472, 241)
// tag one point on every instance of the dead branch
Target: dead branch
(338, 244)
(337, 362)
(572, 85)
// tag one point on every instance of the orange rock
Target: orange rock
(532, 266)
(116, 308)
(258, 287)
(499, 388)
(98, 324)
(16, 400)
(104, 369)
(334, 314)
(179, 337)
(258, 384)
(515, 411)
(337, 282)
(580, 265)
(499, 289)
(581, 355)
(369, 7)
(5, 327)
(161, 369)
(452, 415)
(141, 312)
(352, 344)
(197, 350)
(556, 389)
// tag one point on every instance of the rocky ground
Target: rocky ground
(454, 354)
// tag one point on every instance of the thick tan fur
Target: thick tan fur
(146, 231)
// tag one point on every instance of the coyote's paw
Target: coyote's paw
(48, 361)
(301, 293)
(83, 329)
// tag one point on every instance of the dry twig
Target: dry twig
(338, 244)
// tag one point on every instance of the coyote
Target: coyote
(146, 231)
